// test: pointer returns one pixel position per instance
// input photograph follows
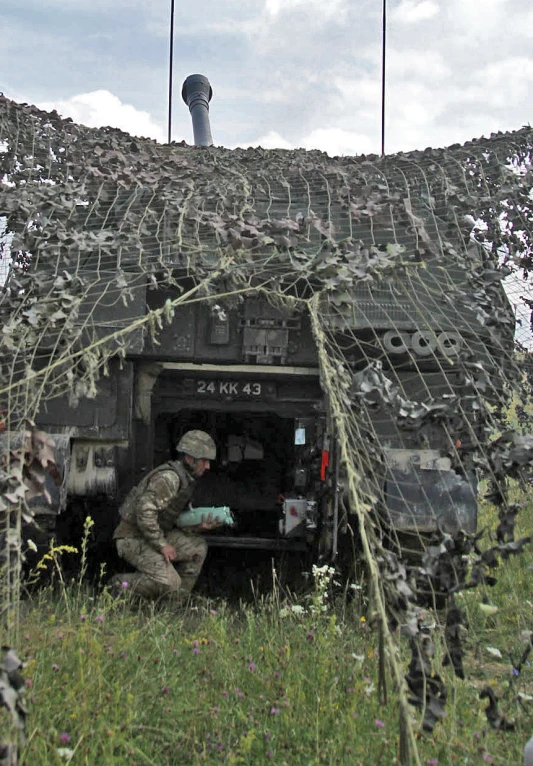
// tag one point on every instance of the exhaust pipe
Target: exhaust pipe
(196, 93)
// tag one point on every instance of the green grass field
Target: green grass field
(277, 681)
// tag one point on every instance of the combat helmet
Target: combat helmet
(198, 445)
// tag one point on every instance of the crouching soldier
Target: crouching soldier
(167, 559)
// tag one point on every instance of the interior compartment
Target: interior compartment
(258, 463)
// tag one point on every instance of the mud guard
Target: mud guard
(425, 500)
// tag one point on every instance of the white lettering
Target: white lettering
(223, 387)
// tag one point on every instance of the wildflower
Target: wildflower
(122, 655)
(224, 694)
(487, 758)
(516, 672)
(433, 762)
(216, 709)
(65, 752)
(64, 737)
(125, 584)
(274, 710)
(196, 650)
(166, 690)
(269, 754)
(213, 612)
(252, 666)
(83, 617)
(363, 619)
(99, 618)
(196, 643)
(380, 723)
(28, 683)
(277, 674)
(310, 635)
(55, 667)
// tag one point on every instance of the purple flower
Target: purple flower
(216, 709)
(433, 762)
(196, 650)
(213, 612)
(125, 585)
(99, 618)
(122, 655)
(252, 666)
(277, 674)
(83, 617)
(224, 693)
(64, 737)
(196, 643)
(269, 754)
(380, 723)
(516, 672)
(487, 758)
(274, 710)
(28, 683)
(310, 635)
(166, 690)
(55, 667)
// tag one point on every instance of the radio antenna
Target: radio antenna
(170, 74)
(383, 72)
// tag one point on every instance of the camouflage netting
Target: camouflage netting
(400, 257)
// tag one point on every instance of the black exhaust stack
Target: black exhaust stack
(196, 93)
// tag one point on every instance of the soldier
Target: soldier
(168, 560)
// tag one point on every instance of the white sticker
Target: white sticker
(299, 436)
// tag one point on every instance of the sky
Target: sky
(285, 73)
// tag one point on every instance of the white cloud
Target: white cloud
(336, 142)
(324, 10)
(100, 108)
(271, 140)
(426, 65)
(411, 12)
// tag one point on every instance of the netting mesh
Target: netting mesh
(411, 269)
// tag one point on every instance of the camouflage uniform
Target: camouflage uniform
(149, 516)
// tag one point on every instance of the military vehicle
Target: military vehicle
(246, 369)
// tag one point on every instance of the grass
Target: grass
(273, 682)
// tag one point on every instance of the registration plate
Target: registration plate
(233, 388)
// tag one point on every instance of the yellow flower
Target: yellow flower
(363, 619)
